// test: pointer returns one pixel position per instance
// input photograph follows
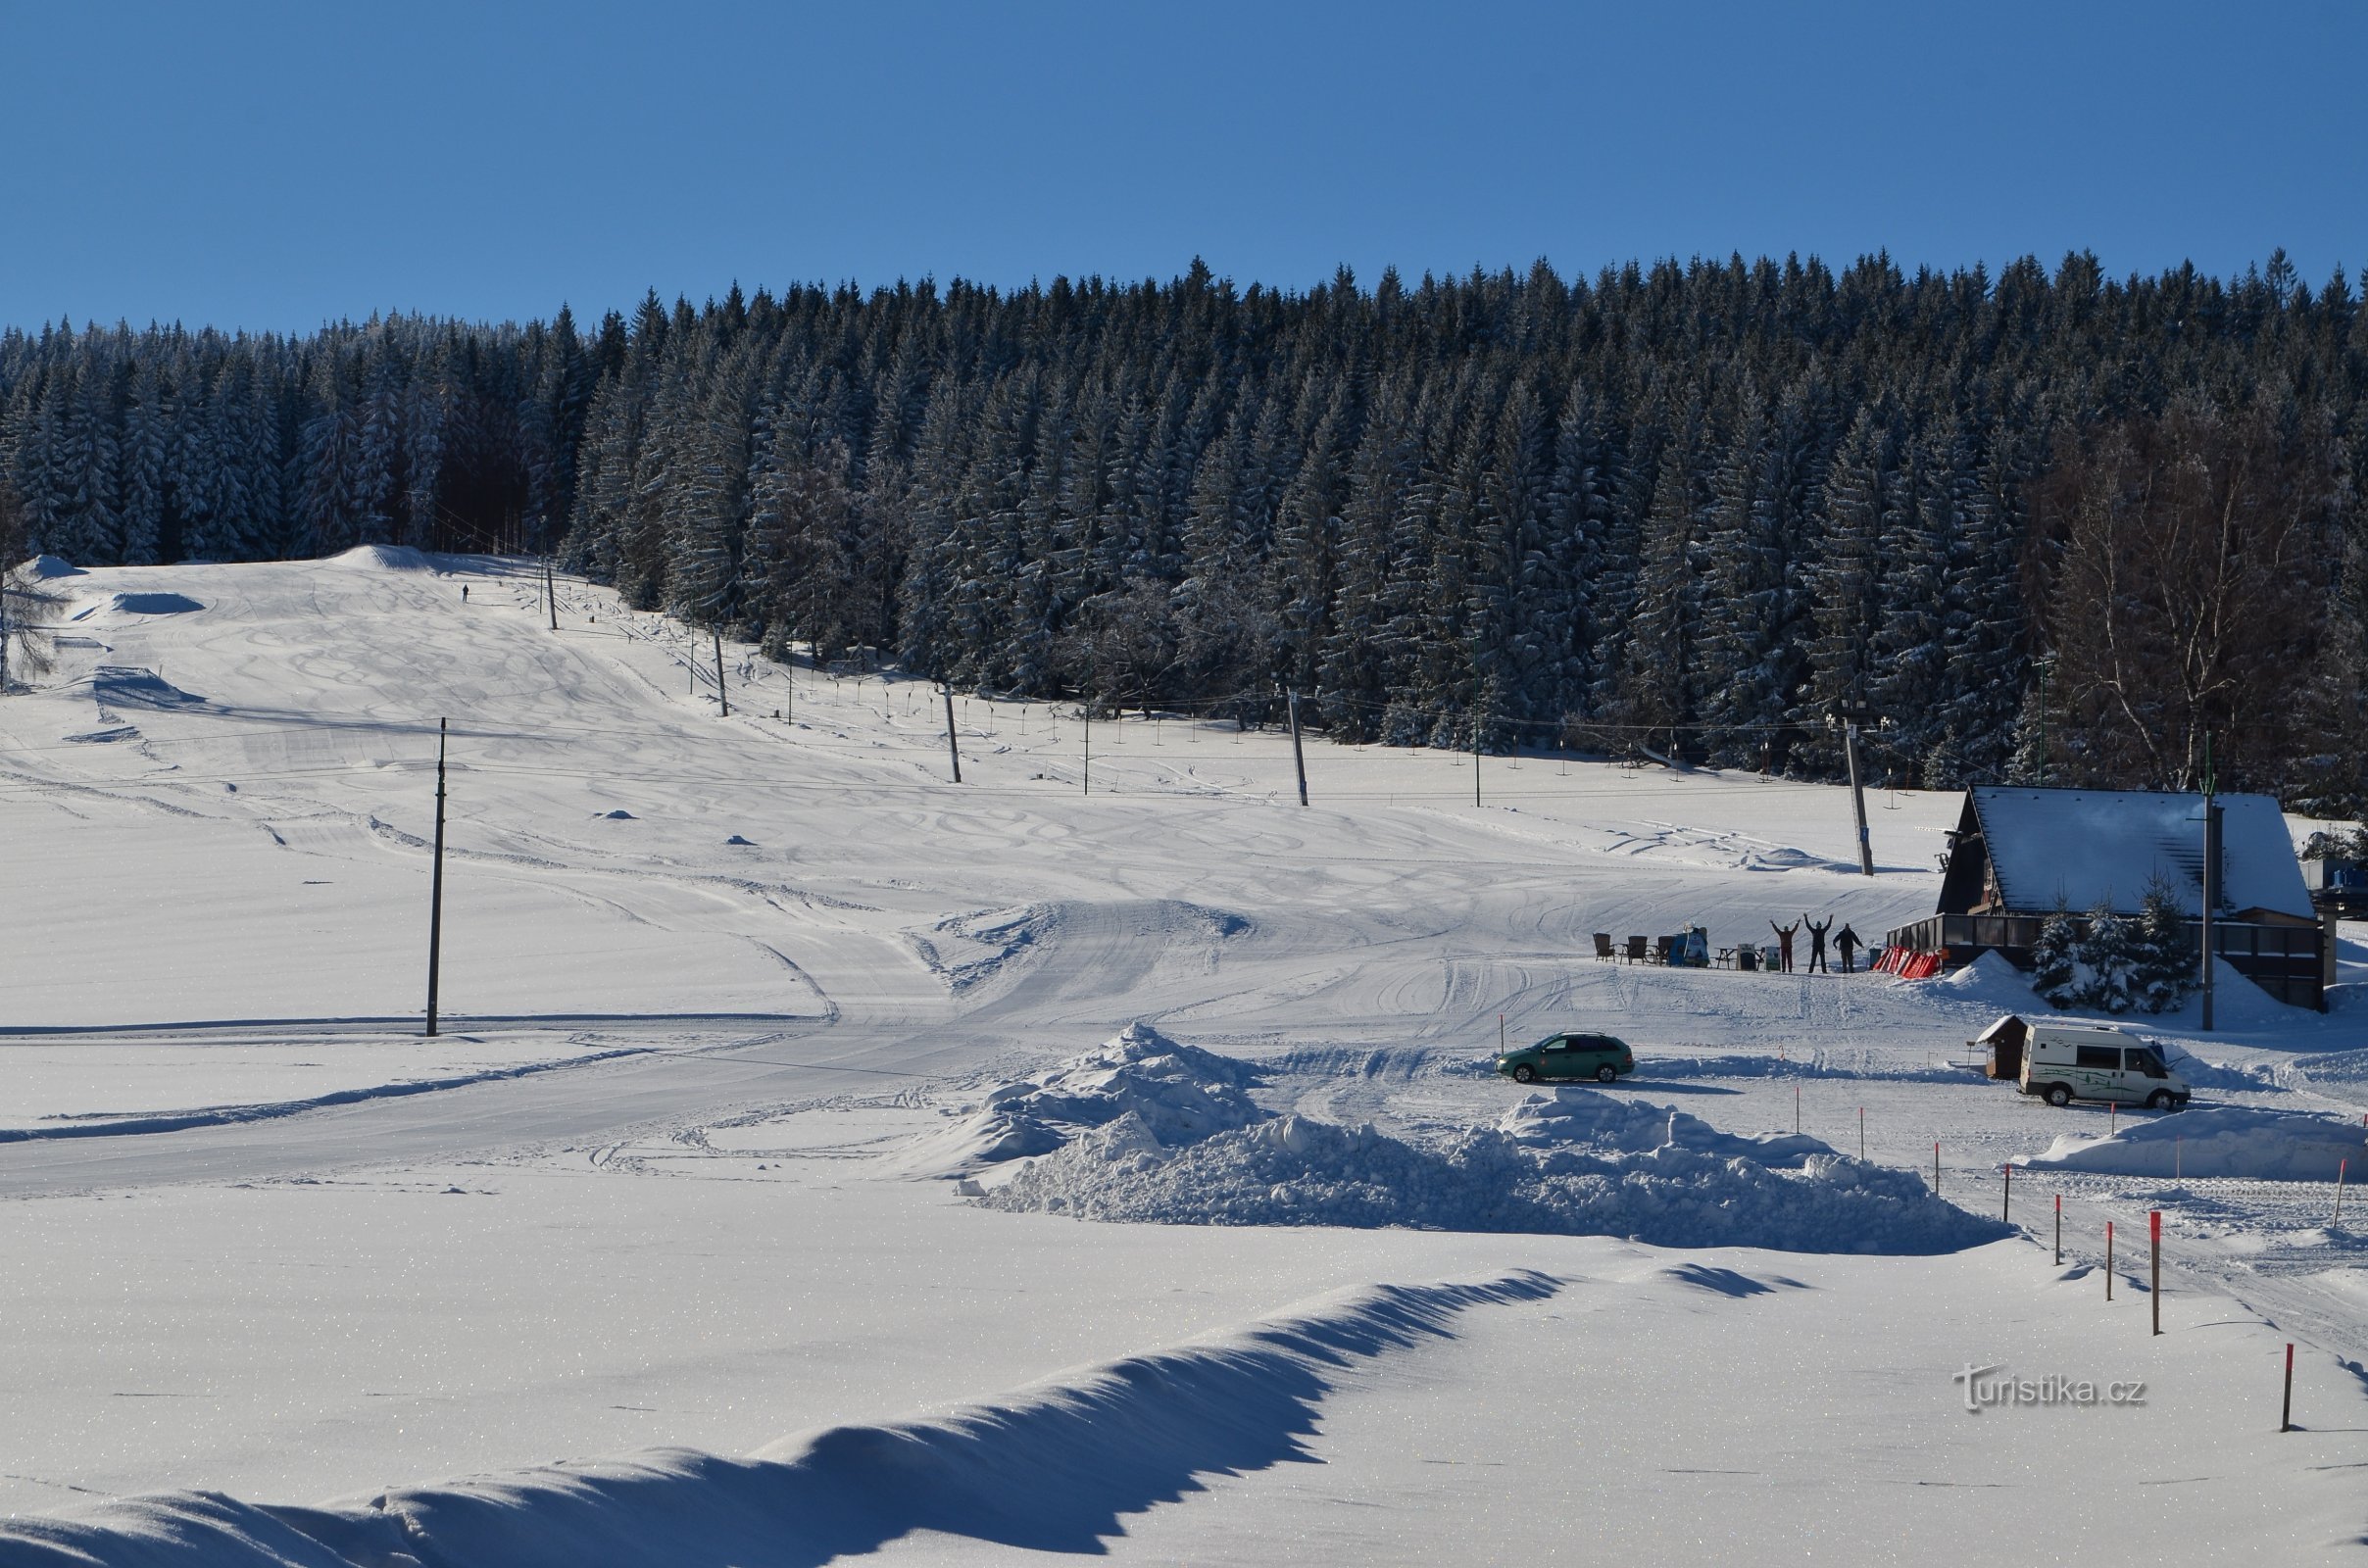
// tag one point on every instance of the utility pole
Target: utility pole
(953, 746)
(1299, 759)
(2046, 682)
(2211, 874)
(435, 888)
(1850, 717)
(720, 695)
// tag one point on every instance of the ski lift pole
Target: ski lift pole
(1849, 718)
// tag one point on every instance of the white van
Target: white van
(2068, 1062)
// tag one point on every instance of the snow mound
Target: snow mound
(1170, 1092)
(143, 604)
(384, 557)
(620, 815)
(2288, 1146)
(1581, 1164)
(964, 949)
(1053, 1468)
(1582, 1117)
(1987, 978)
(46, 566)
(130, 686)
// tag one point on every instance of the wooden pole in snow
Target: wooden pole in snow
(2286, 1411)
(953, 746)
(722, 696)
(2155, 1262)
(1299, 759)
(435, 888)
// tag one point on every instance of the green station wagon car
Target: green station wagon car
(1572, 1056)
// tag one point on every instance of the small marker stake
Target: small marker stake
(1796, 1109)
(2006, 1204)
(2060, 1230)
(2154, 1262)
(2108, 1260)
(1936, 1168)
(2342, 1170)
(2285, 1412)
(1862, 1132)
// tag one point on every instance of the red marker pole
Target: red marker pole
(2154, 1262)
(2108, 1260)
(2286, 1414)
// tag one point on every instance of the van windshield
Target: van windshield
(2146, 1060)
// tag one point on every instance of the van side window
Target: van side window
(2109, 1057)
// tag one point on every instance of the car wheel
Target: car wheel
(2059, 1094)
(1525, 1074)
(2160, 1100)
(1607, 1074)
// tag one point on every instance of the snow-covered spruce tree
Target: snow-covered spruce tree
(2054, 956)
(2162, 960)
(2104, 964)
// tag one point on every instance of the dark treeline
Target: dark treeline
(2037, 522)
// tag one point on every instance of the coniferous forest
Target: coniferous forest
(2042, 524)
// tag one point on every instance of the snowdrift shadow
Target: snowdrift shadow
(1053, 1468)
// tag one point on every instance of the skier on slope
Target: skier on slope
(1784, 943)
(1816, 945)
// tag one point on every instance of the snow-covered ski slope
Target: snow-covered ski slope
(719, 995)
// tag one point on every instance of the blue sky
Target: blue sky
(272, 167)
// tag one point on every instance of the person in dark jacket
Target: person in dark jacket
(1816, 946)
(1845, 943)
(1784, 942)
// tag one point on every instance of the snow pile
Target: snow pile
(135, 686)
(156, 604)
(1168, 1093)
(1583, 1163)
(1990, 980)
(1582, 1117)
(47, 567)
(385, 558)
(2221, 1140)
(1051, 1468)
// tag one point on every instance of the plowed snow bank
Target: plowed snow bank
(1579, 1162)
(1051, 1468)
(2218, 1141)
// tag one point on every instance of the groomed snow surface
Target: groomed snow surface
(818, 1159)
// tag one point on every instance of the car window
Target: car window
(2107, 1057)
(2149, 1061)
